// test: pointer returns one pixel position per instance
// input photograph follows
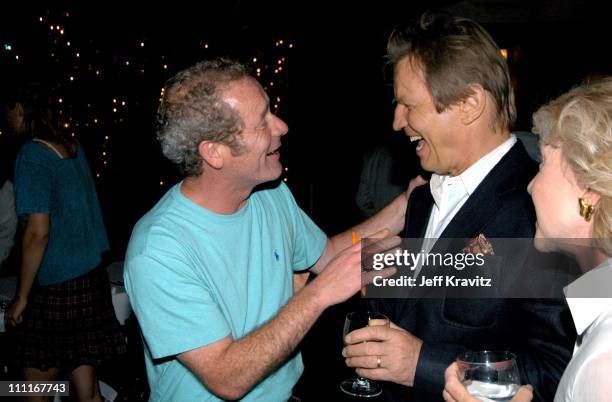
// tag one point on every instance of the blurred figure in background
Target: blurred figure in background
(387, 170)
(62, 308)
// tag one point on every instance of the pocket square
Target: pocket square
(479, 245)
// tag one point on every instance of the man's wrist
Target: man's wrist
(312, 296)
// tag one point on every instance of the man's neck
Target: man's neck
(482, 145)
(215, 194)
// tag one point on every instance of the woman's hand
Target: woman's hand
(13, 315)
(454, 391)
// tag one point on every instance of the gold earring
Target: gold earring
(586, 209)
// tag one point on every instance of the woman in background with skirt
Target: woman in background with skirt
(62, 310)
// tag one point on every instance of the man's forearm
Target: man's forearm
(251, 358)
(391, 217)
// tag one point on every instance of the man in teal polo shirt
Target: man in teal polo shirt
(209, 269)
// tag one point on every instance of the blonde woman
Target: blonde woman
(572, 194)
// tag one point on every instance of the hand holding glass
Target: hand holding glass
(490, 375)
(359, 386)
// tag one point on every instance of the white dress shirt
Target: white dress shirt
(451, 192)
(588, 375)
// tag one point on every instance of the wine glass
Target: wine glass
(490, 375)
(359, 386)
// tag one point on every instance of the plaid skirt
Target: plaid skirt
(69, 324)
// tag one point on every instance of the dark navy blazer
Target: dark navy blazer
(539, 331)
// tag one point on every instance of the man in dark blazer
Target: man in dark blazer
(454, 97)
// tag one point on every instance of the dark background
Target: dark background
(335, 97)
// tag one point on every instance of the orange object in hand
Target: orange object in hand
(354, 240)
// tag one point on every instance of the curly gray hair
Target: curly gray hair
(192, 111)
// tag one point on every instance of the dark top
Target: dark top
(540, 332)
(63, 188)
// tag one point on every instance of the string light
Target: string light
(269, 69)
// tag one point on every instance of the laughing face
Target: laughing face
(259, 161)
(440, 148)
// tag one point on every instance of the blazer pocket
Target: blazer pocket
(471, 313)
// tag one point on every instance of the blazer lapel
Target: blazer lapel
(418, 211)
(484, 203)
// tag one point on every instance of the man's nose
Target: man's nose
(280, 127)
(399, 120)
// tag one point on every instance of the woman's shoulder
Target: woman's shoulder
(33, 151)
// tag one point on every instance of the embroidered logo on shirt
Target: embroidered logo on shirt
(276, 255)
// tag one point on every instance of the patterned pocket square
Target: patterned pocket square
(479, 245)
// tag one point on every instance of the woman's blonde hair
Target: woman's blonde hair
(580, 123)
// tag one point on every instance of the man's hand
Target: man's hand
(415, 182)
(396, 349)
(454, 391)
(342, 277)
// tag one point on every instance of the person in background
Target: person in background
(572, 194)
(386, 172)
(62, 310)
(8, 219)
(10, 143)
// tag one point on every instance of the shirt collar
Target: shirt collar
(585, 310)
(473, 175)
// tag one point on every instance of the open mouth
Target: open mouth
(421, 143)
(275, 152)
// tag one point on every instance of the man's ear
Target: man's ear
(212, 153)
(474, 105)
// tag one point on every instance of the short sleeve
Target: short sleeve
(33, 185)
(174, 308)
(310, 241)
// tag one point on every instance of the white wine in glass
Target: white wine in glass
(358, 386)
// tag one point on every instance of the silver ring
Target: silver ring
(378, 362)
